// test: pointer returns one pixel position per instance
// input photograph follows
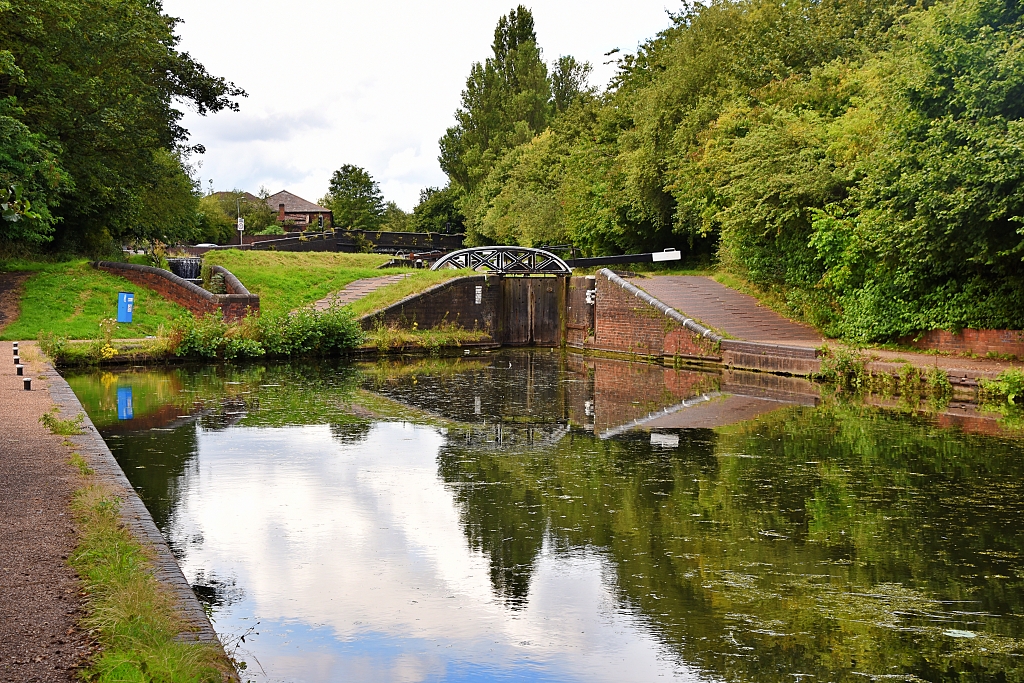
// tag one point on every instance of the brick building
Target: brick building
(305, 214)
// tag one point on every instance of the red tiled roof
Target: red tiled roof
(293, 204)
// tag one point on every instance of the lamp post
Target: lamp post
(238, 216)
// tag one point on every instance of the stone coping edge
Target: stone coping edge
(230, 281)
(133, 511)
(688, 323)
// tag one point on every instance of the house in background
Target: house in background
(305, 214)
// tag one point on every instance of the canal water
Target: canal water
(530, 515)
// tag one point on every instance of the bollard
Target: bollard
(28, 384)
(20, 369)
(17, 359)
(15, 349)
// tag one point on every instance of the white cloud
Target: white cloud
(373, 84)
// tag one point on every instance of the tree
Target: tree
(395, 219)
(355, 199)
(505, 103)
(569, 82)
(99, 83)
(439, 211)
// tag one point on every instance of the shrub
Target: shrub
(306, 332)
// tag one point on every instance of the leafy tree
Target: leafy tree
(439, 211)
(395, 219)
(355, 199)
(97, 82)
(214, 223)
(505, 103)
(569, 82)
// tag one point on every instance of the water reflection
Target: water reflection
(535, 516)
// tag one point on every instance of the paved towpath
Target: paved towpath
(716, 306)
(40, 595)
(356, 290)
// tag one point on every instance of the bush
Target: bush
(306, 332)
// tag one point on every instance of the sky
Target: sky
(374, 84)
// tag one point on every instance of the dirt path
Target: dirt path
(354, 291)
(39, 594)
(10, 297)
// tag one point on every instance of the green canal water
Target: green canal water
(527, 515)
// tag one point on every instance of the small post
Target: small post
(20, 369)
(17, 360)
(28, 384)
(15, 349)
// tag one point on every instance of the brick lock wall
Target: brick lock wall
(579, 315)
(173, 288)
(622, 391)
(979, 342)
(625, 324)
(453, 302)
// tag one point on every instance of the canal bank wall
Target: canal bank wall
(133, 512)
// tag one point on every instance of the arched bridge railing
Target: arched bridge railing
(505, 261)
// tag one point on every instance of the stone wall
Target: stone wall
(235, 304)
(978, 342)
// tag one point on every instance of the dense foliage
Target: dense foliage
(89, 129)
(355, 199)
(863, 160)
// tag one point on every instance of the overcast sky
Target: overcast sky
(368, 83)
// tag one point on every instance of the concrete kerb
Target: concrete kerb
(134, 514)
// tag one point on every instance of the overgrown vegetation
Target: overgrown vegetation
(305, 332)
(861, 163)
(70, 299)
(1008, 386)
(132, 616)
(63, 427)
(387, 338)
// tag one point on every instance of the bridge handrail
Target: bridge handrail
(505, 260)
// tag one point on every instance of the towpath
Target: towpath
(356, 290)
(716, 306)
(40, 601)
(741, 316)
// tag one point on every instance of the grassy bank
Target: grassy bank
(70, 299)
(130, 614)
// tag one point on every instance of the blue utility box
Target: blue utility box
(125, 304)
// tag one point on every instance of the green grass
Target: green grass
(69, 299)
(131, 615)
(416, 282)
(289, 280)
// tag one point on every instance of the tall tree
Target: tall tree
(505, 103)
(568, 82)
(99, 81)
(355, 199)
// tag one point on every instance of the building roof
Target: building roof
(293, 204)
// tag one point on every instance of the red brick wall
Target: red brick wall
(625, 324)
(173, 288)
(622, 391)
(979, 342)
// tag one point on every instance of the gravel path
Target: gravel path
(40, 600)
